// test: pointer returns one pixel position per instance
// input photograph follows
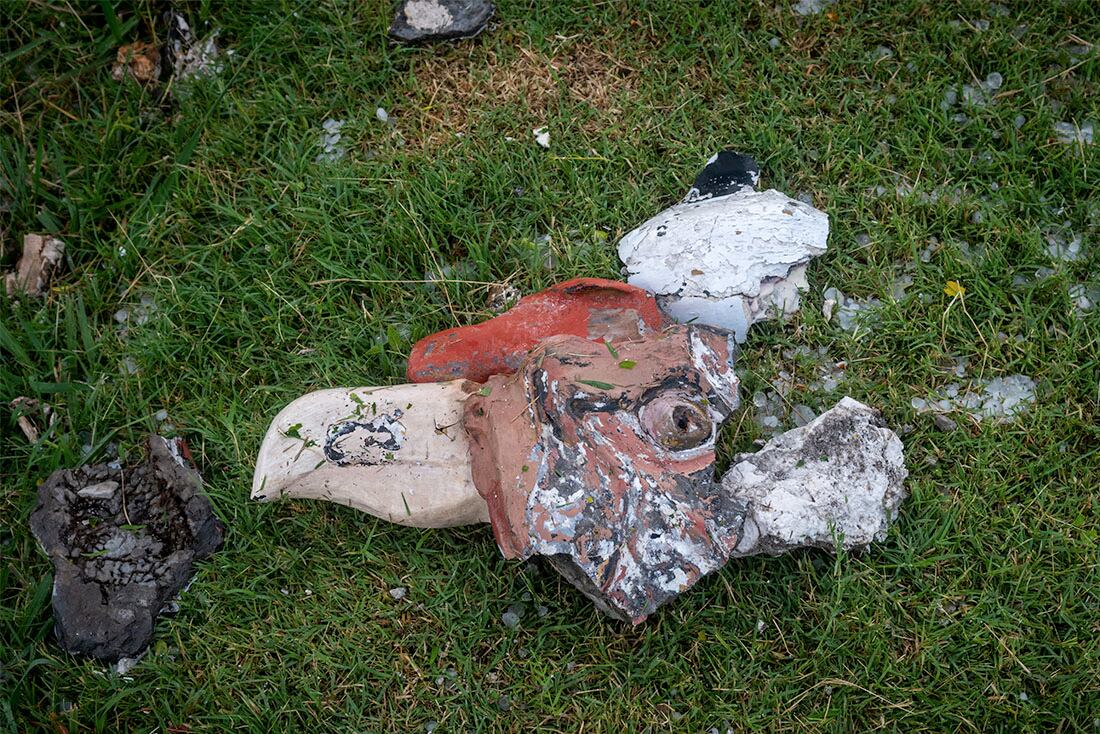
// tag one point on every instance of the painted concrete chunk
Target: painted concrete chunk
(728, 255)
(838, 478)
(604, 463)
(588, 307)
(418, 21)
(123, 542)
(398, 453)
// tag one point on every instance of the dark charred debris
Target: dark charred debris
(428, 21)
(124, 542)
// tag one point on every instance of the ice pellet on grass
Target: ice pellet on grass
(1069, 133)
(1000, 398)
(331, 150)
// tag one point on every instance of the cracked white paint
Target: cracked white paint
(838, 479)
(728, 261)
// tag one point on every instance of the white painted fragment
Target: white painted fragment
(542, 136)
(398, 453)
(840, 478)
(727, 261)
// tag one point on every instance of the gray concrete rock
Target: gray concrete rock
(123, 542)
(418, 21)
(840, 478)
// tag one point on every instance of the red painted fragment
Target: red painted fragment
(588, 307)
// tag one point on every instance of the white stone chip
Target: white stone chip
(838, 479)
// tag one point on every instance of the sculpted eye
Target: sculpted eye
(676, 423)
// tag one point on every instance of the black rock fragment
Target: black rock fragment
(725, 173)
(420, 21)
(123, 542)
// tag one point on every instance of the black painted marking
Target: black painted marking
(730, 172)
(364, 443)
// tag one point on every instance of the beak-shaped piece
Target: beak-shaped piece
(399, 453)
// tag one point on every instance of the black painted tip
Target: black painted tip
(725, 173)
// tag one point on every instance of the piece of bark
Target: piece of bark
(41, 260)
(27, 410)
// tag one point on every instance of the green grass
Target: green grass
(274, 275)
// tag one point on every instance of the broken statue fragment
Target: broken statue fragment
(727, 255)
(838, 479)
(589, 307)
(605, 463)
(596, 450)
(123, 542)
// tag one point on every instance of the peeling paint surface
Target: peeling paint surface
(727, 260)
(589, 307)
(602, 458)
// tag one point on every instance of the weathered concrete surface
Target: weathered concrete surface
(123, 542)
(417, 21)
(602, 459)
(589, 307)
(727, 255)
(41, 259)
(839, 479)
(398, 453)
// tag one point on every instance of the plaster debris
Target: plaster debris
(727, 255)
(331, 149)
(811, 7)
(136, 315)
(189, 57)
(1063, 244)
(123, 543)
(1069, 133)
(837, 481)
(398, 593)
(542, 136)
(502, 296)
(41, 260)
(418, 21)
(999, 399)
(943, 423)
(773, 410)
(1084, 297)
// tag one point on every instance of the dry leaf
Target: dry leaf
(954, 289)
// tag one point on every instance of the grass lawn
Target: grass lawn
(272, 274)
